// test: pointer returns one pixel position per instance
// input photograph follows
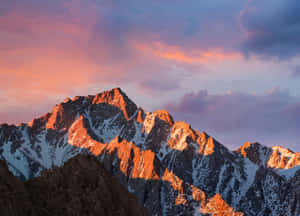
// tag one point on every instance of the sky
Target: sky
(227, 67)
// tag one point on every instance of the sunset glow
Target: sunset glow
(164, 55)
(165, 51)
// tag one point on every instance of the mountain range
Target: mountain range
(171, 168)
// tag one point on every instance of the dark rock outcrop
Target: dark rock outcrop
(80, 187)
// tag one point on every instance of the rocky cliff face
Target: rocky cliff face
(276, 157)
(172, 168)
(81, 187)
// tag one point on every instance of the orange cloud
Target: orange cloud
(165, 51)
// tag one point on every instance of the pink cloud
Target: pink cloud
(45, 57)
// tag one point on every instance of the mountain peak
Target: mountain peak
(250, 147)
(276, 157)
(63, 114)
(165, 116)
(283, 158)
(255, 152)
(112, 94)
(116, 97)
(282, 150)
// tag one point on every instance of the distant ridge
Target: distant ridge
(276, 157)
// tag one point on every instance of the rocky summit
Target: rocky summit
(170, 167)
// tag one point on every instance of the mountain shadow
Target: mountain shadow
(80, 187)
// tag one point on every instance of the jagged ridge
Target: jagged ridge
(140, 148)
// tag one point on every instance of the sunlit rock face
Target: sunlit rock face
(171, 168)
(276, 157)
(282, 158)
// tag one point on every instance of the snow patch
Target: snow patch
(288, 173)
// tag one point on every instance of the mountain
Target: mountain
(90, 190)
(276, 157)
(171, 168)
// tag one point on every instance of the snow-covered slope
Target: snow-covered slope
(172, 168)
(281, 160)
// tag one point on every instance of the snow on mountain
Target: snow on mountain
(172, 168)
(281, 160)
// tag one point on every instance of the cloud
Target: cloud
(52, 49)
(241, 116)
(23, 108)
(295, 71)
(178, 54)
(55, 47)
(272, 28)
